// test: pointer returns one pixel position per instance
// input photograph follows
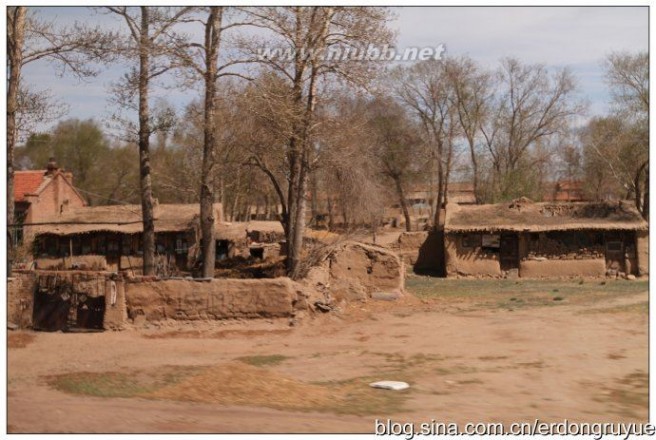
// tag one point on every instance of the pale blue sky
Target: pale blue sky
(577, 37)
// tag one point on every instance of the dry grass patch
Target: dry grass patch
(113, 384)
(485, 294)
(263, 360)
(239, 384)
(235, 383)
(20, 339)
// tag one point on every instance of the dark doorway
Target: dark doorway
(257, 252)
(58, 307)
(509, 251)
(222, 250)
(51, 309)
(90, 312)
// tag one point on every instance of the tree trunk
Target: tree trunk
(345, 215)
(404, 204)
(293, 247)
(208, 248)
(299, 230)
(299, 144)
(475, 171)
(314, 205)
(645, 196)
(638, 197)
(440, 194)
(147, 210)
(222, 196)
(235, 200)
(15, 58)
(331, 219)
(297, 180)
(267, 208)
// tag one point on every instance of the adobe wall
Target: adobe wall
(423, 250)
(164, 299)
(594, 267)
(469, 261)
(20, 299)
(357, 270)
(410, 241)
(642, 252)
(21, 288)
(219, 298)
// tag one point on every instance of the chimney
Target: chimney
(52, 167)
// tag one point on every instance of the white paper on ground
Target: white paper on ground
(390, 385)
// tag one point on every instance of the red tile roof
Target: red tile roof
(27, 182)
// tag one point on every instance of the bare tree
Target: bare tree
(471, 92)
(615, 159)
(203, 61)
(425, 90)
(15, 42)
(628, 76)
(395, 146)
(348, 176)
(148, 45)
(530, 105)
(309, 33)
(31, 39)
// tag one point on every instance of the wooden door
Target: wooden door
(509, 251)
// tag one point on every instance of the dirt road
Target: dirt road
(582, 357)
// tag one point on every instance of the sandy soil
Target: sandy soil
(583, 362)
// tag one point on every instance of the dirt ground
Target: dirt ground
(471, 350)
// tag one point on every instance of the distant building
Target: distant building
(461, 193)
(40, 194)
(420, 200)
(566, 191)
(536, 240)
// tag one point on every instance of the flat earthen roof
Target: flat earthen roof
(524, 215)
(124, 219)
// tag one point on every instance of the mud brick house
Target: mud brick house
(257, 238)
(536, 240)
(40, 194)
(110, 237)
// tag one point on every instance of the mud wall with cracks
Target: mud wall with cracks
(220, 298)
(463, 261)
(357, 270)
(595, 267)
(20, 299)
